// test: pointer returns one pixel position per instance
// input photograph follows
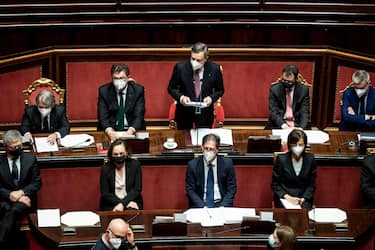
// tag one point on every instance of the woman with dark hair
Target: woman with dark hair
(294, 173)
(283, 238)
(120, 180)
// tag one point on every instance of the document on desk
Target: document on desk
(313, 136)
(43, 145)
(289, 205)
(48, 217)
(218, 216)
(225, 135)
(327, 215)
(80, 219)
(77, 140)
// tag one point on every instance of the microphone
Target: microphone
(133, 217)
(231, 230)
(351, 144)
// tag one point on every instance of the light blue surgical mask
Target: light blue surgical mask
(271, 241)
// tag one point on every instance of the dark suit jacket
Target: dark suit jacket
(368, 182)
(108, 106)
(32, 120)
(29, 181)
(277, 106)
(182, 83)
(194, 182)
(108, 199)
(285, 180)
(357, 122)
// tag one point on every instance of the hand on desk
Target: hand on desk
(132, 204)
(292, 199)
(52, 138)
(118, 208)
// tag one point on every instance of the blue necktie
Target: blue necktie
(210, 187)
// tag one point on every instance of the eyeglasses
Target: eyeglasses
(114, 235)
(209, 149)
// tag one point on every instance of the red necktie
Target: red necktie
(197, 83)
(289, 109)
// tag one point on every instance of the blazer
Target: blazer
(194, 182)
(182, 83)
(29, 179)
(32, 120)
(285, 180)
(357, 122)
(108, 199)
(367, 181)
(108, 106)
(277, 106)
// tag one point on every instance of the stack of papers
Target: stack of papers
(48, 217)
(43, 145)
(80, 219)
(327, 215)
(289, 205)
(313, 136)
(225, 135)
(77, 140)
(218, 216)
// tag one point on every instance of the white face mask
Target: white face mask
(271, 241)
(209, 155)
(119, 84)
(115, 242)
(297, 150)
(361, 92)
(44, 111)
(196, 65)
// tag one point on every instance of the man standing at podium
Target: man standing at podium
(210, 179)
(19, 183)
(196, 80)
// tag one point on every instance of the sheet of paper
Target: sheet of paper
(80, 218)
(196, 104)
(225, 135)
(77, 140)
(289, 205)
(43, 145)
(313, 136)
(327, 215)
(48, 217)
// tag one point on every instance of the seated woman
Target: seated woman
(294, 173)
(120, 180)
(283, 238)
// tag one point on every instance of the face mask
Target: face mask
(119, 84)
(209, 155)
(297, 150)
(271, 241)
(361, 92)
(196, 65)
(44, 111)
(119, 159)
(15, 153)
(115, 242)
(287, 84)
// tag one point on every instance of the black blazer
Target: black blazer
(194, 181)
(108, 106)
(29, 179)
(368, 182)
(32, 120)
(277, 106)
(182, 83)
(108, 199)
(285, 180)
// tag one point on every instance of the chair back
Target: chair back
(32, 91)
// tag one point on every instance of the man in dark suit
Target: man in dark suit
(121, 104)
(196, 80)
(210, 179)
(358, 104)
(368, 182)
(289, 103)
(19, 183)
(45, 117)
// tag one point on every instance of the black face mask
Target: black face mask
(119, 159)
(287, 84)
(15, 153)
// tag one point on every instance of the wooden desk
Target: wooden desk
(361, 223)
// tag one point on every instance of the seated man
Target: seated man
(117, 236)
(358, 104)
(210, 179)
(45, 117)
(289, 103)
(19, 183)
(121, 104)
(368, 182)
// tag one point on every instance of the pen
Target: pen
(209, 214)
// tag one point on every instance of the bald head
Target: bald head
(118, 227)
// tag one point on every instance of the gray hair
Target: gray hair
(47, 98)
(11, 136)
(200, 47)
(360, 75)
